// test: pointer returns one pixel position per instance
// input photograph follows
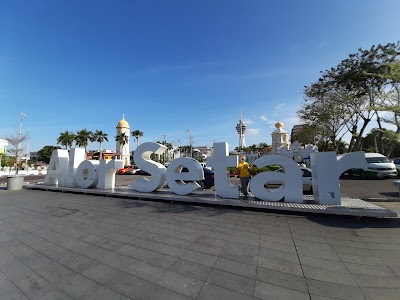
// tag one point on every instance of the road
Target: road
(373, 189)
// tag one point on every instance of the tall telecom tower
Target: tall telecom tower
(241, 130)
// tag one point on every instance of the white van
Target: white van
(379, 166)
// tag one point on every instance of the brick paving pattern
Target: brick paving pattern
(71, 246)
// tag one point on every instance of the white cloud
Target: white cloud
(279, 106)
(248, 121)
(253, 131)
(264, 118)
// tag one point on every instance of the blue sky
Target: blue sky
(170, 66)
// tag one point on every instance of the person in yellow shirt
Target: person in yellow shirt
(244, 174)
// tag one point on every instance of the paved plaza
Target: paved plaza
(70, 246)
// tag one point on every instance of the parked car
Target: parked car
(396, 162)
(208, 180)
(307, 180)
(128, 170)
(378, 166)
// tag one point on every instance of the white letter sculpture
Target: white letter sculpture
(292, 187)
(107, 170)
(326, 170)
(156, 170)
(86, 174)
(175, 176)
(76, 157)
(58, 168)
(221, 161)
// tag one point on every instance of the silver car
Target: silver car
(307, 180)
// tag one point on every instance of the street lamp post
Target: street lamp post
(190, 141)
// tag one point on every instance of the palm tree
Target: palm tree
(66, 139)
(99, 136)
(82, 138)
(137, 134)
(122, 138)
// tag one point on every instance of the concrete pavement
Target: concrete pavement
(71, 246)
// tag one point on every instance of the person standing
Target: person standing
(244, 175)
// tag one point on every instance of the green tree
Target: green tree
(15, 141)
(66, 139)
(344, 97)
(137, 134)
(372, 143)
(99, 136)
(46, 152)
(83, 137)
(122, 138)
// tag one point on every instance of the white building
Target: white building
(3, 145)
(123, 149)
(280, 138)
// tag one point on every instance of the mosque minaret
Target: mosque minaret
(123, 150)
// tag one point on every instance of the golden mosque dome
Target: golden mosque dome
(123, 122)
(279, 125)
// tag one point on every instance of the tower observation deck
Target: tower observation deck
(241, 130)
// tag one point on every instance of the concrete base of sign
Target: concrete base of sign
(15, 182)
(349, 207)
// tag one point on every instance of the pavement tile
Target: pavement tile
(391, 261)
(77, 262)
(322, 263)
(54, 272)
(236, 267)
(17, 248)
(37, 287)
(155, 258)
(328, 276)
(278, 246)
(211, 291)
(133, 266)
(285, 280)
(210, 241)
(277, 239)
(332, 290)
(308, 245)
(181, 283)
(368, 270)
(104, 293)
(396, 270)
(130, 286)
(280, 265)
(268, 291)
(102, 242)
(280, 255)
(353, 251)
(386, 253)
(191, 269)
(232, 281)
(77, 286)
(377, 281)
(361, 260)
(310, 238)
(318, 253)
(9, 290)
(200, 258)
(100, 273)
(36, 260)
(315, 297)
(4, 237)
(14, 270)
(381, 293)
